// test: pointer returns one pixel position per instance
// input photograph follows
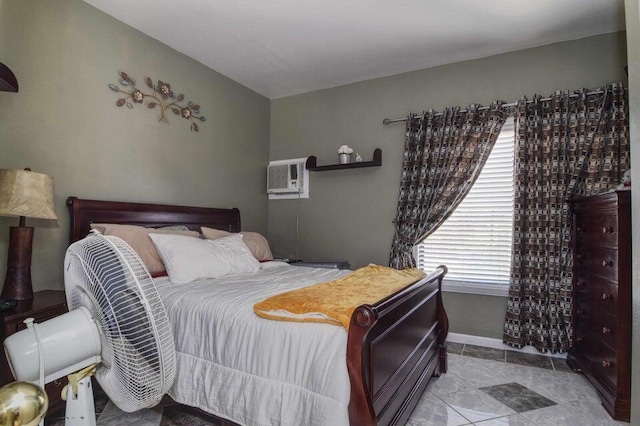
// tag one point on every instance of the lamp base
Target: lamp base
(17, 283)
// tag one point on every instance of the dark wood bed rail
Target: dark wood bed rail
(393, 349)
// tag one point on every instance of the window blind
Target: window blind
(475, 241)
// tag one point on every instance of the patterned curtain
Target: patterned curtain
(443, 156)
(571, 145)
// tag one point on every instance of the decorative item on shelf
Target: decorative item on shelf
(22, 403)
(8, 81)
(358, 158)
(25, 194)
(344, 154)
(626, 181)
(163, 97)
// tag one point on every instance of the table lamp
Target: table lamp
(25, 194)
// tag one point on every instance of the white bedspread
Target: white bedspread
(251, 370)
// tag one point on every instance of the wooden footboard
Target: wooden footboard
(394, 347)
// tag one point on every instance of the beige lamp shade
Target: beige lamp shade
(26, 193)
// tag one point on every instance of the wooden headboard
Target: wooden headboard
(85, 212)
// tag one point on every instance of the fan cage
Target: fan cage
(105, 275)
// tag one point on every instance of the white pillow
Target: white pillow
(258, 244)
(188, 258)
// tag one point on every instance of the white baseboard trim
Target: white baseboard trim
(489, 342)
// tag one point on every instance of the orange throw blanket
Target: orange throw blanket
(333, 302)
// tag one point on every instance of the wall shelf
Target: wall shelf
(376, 162)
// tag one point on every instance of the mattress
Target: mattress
(250, 370)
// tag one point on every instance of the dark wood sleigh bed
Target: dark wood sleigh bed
(394, 346)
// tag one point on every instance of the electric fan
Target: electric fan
(117, 327)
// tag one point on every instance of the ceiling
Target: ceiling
(285, 47)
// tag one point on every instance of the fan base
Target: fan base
(81, 410)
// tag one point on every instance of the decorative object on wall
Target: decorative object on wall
(312, 165)
(8, 81)
(25, 194)
(344, 154)
(162, 96)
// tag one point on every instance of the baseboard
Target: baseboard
(489, 342)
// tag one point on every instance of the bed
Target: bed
(393, 347)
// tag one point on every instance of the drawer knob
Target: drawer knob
(606, 330)
(579, 340)
(607, 230)
(579, 312)
(579, 256)
(579, 283)
(607, 262)
(606, 364)
(579, 228)
(606, 296)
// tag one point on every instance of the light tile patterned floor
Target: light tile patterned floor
(483, 387)
(489, 387)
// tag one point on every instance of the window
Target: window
(475, 241)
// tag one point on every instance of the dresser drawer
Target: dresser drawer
(605, 327)
(596, 293)
(597, 329)
(604, 361)
(602, 230)
(599, 357)
(594, 260)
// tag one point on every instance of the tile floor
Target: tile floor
(484, 387)
(490, 387)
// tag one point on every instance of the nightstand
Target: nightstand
(44, 305)
(341, 264)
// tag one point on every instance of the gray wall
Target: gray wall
(632, 15)
(64, 122)
(349, 212)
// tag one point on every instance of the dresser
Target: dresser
(602, 297)
(44, 305)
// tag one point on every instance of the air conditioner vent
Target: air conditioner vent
(280, 178)
(287, 179)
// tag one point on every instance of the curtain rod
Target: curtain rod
(510, 105)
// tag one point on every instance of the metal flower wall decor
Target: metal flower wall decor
(161, 96)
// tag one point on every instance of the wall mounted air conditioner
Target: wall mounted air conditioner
(287, 179)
